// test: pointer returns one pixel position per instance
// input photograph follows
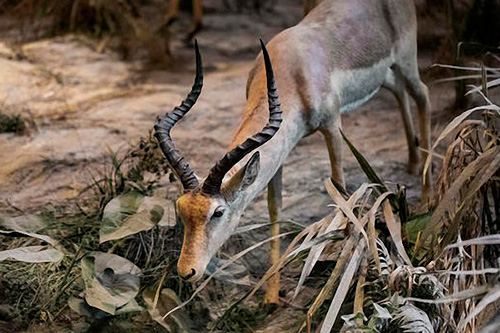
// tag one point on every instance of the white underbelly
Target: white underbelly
(357, 103)
(357, 86)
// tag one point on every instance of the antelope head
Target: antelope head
(210, 210)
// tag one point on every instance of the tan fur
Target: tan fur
(194, 208)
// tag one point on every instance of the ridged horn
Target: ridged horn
(213, 183)
(164, 124)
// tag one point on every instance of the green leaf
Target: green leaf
(416, 225)
(369, 172)
(132, 213)
(110, 281)
(365, 166)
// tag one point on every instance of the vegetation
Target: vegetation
(397, 271)
(112, 259)
(12, 124)
(84, 258)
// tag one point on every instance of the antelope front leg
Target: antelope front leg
(333, 140)
(274, 204)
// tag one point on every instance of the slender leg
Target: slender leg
(334, 140)
(396, 85)
(274, 203)
(411, 138)
(418, 90)
(421, 96)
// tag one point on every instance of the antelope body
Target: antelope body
(334, 60)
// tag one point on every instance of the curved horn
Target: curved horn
(164, 124)
(212, 184)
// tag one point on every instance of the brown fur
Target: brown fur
(195, 207)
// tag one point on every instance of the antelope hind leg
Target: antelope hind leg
(274, 203)
(395, 83)
(333, 140)
(420, 93)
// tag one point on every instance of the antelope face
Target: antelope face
(211, 211)
(208, 222)
(210, 219)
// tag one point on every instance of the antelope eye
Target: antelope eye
(218, 212)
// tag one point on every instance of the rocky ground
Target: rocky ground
(82, 103)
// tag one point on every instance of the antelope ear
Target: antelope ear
(243, 178)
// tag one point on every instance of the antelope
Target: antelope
(333, 61)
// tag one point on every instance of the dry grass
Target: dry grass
(122, 25)
(420, 276)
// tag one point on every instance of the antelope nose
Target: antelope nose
(188, 275)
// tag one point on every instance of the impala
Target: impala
(333, 61)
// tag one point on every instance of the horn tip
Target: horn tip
(263, 45)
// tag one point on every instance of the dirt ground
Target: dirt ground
(84, 103)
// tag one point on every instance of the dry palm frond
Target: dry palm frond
(363, 270)
(467, 207)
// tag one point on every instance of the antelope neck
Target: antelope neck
(272, 154)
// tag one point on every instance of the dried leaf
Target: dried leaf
(451, 127)
(413, 320)
(343, 288)
(33, 254)
(447, 204)
(231, 273)
(492, 296)
(167, 300)
(484, 240)
(316, 250)
(84, 309)
(110, 281)
(346, 208)
(395, 230)
(26, 225)
(132, 213)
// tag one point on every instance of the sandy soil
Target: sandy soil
(84, 103)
